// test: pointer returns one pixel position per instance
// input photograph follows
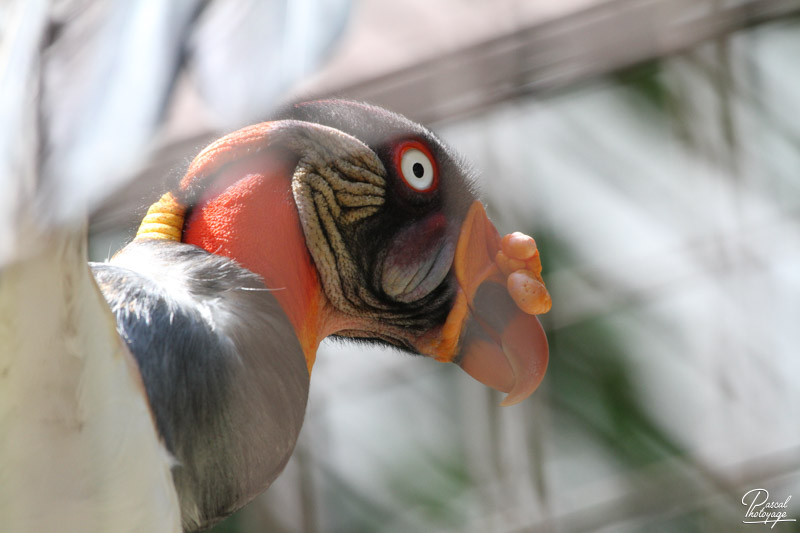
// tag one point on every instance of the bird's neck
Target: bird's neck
(250, 215)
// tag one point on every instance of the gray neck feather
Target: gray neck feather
(224, 371)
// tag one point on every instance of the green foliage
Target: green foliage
(645, 81)
(230, 525)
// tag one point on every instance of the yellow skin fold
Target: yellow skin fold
(164, 220)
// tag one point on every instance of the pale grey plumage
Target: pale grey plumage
(224, 371)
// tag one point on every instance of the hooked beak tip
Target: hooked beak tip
(515, 364)
(528, 357)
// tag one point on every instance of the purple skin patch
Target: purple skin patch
(404, 277)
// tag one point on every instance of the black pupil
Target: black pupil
(418, 170)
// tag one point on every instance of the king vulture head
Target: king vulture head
(336, 219)
(367, 226)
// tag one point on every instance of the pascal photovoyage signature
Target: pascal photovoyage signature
(762, 510)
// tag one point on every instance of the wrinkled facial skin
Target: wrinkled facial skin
(433, 276)
(405, 250)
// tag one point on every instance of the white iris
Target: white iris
(417, 169)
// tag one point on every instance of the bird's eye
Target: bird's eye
(416, 166)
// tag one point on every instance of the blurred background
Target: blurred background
(652, 147)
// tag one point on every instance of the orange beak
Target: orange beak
(492, 331)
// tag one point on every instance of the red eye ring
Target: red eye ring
(416, 165)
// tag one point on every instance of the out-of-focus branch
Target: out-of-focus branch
(552, 55)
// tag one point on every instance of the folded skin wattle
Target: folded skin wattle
(359, 223)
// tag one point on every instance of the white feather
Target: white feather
(83, 95)
(78, 446)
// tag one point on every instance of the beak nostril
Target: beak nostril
(492, 309)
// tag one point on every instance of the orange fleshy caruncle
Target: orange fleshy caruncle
(518, 259)
(492, 330)
(517, 262)
(529, 293)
